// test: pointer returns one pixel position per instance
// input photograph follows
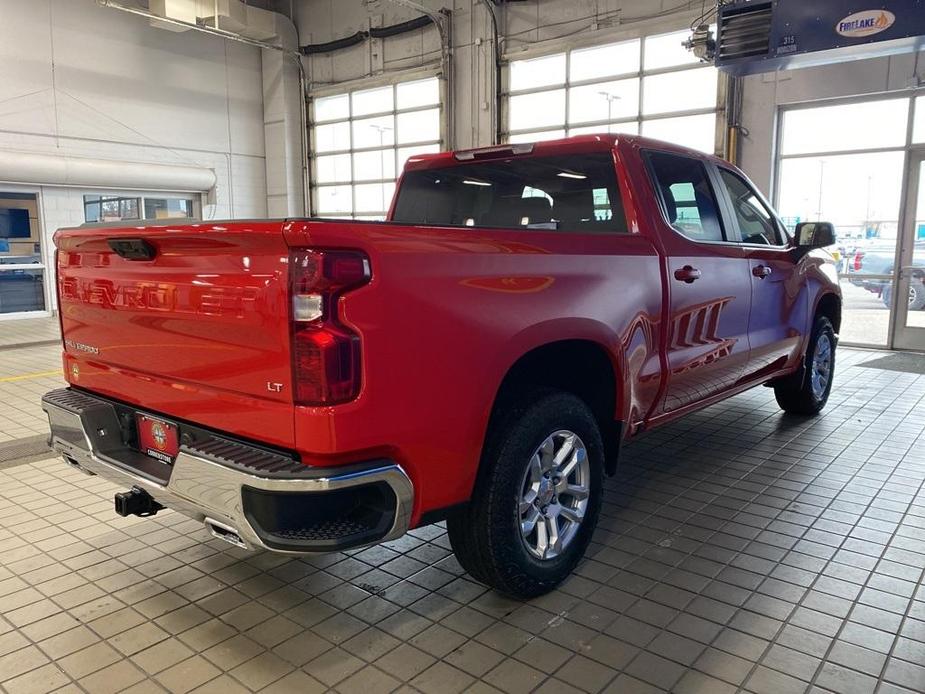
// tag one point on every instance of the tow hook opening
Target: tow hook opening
(225, 532)
(136, 502)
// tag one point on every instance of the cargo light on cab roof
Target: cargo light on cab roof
(518, 148)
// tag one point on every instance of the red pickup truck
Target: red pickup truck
(309, 385)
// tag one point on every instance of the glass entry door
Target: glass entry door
(909, 302)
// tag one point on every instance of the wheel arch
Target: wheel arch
(580, 366)
(830, 306)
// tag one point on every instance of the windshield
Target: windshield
(574, 193)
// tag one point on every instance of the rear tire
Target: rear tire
(807, 392)
(537, 497)
(916, 294)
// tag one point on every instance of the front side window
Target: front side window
(756, 223)
(556, 193)
(687, 197)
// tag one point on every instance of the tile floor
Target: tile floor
(28, 331)
(26, 373)
(739, 550)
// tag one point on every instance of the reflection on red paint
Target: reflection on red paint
(516, 285)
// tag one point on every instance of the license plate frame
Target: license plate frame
(158, 438)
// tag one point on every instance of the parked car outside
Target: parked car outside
(880, 259)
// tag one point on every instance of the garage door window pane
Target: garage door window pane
(538, 72)
(372, 101)
(373, 132)
(370, 124)
(679, 91)
(405, 152)
(334, 200)
(418, 93)
(332, 107)
(604, 101)
(418, 126)
(537, 110)
(918, 129)
(604, 61)
(332, 137)
(666, 51)
(333, 168)
(628, 128)
(372, 166)
(373, 197)
(537, 136)
(696, 132)
(834, 128)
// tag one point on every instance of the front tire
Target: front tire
(916, 294)
(807, 392)
(537, 498)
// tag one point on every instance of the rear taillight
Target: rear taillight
(858, 257)
(325, 353)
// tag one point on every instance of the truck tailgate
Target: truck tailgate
(190, 321)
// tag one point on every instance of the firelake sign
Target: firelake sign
(865, 23)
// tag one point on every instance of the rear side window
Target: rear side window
(687, 196)
(569, 194)
(756, 223)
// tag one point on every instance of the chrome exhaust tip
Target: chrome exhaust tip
(77, 466)
(225, 532)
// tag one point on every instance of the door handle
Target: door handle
(687, 274)
(761, 271)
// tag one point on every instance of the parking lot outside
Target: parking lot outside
(866, 318)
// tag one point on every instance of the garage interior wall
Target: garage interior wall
(84, 81)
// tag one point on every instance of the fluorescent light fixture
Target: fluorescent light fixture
(471, 182)
(571, 174)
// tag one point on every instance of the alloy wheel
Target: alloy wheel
(554, 494)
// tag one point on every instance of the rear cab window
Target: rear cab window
(578, 193)
(683, 185)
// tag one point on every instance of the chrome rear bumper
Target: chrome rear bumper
(236, 488)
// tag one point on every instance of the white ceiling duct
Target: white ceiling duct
(232, 16)
(57, 170)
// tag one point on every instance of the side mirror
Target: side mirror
(815, 234)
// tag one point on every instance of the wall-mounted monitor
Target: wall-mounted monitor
(14, 223)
